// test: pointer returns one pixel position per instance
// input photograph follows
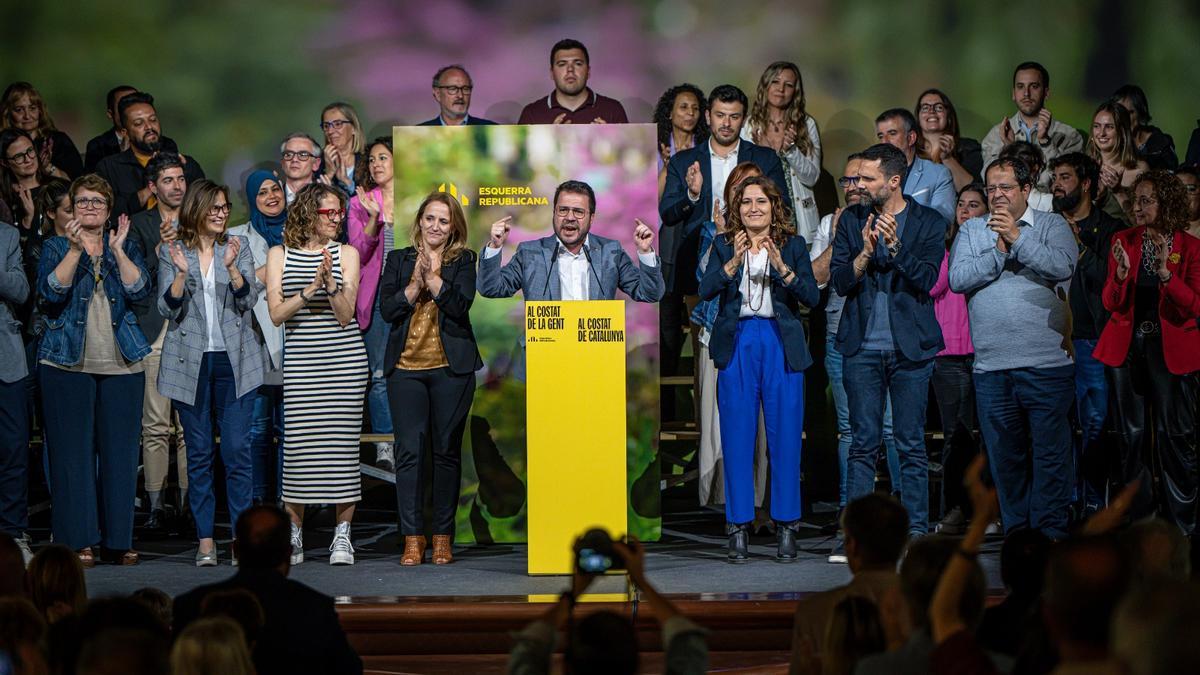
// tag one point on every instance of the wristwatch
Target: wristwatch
(893, 249)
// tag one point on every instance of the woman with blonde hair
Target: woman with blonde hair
(56, 583)
(22, 107)
(778, 120)
(211, 646)
(342, 161)
(430, 363)
(1112, 146)
(761, 272)
(207, 292)
(312, 287)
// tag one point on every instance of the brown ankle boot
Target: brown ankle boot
(414, 551)
(441, 549)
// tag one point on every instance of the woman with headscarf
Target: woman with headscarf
(267, 202)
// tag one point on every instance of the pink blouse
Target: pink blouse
(371, 255)
(951, 311)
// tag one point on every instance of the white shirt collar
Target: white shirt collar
(563, 250)
(732, 153)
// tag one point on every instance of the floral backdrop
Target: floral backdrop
(619, 163)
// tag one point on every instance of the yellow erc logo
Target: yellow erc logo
(454, 193)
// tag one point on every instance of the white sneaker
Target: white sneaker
(341, 552)
(23, 544)
(297, 545)
(385, 456)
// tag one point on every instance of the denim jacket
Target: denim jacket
(64, 308)
(705, 312)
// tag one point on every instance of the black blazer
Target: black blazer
(785, 301)
(107, 144)
(143, 230)
(472, 121)
(454, 309)
(907, 279)
(126, 177)
(682, 256)
(301, 634)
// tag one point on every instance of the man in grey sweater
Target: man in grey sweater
(1015, 267)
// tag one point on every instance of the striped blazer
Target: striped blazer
(187, 327)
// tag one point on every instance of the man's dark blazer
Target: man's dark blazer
(301, 634)
(143, 230)
(471, 121)
(785, 301)
(126, 177)
(908, 278)
(681, 256)
(107, 144)
(453, 303)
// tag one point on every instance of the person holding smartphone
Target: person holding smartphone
(761, 272)
(604, 641)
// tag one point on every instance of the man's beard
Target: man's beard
(146, 148)
(1068, 202)
(878, 199)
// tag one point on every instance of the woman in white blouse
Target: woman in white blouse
(779, 121)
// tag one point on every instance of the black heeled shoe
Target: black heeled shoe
(786, 536)
(739, 544)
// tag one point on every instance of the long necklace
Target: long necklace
(761, 283)
(1150, 251)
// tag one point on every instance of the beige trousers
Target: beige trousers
(158, 423)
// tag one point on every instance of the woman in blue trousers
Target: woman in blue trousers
(212, 361)
(93, 381)
(761, 272)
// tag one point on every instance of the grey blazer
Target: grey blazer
(187, 327)
(14, 288)
(529, 272)
(272, 335)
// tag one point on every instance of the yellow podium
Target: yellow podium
(575, 426)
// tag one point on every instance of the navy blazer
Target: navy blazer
(471, 122)
(681, 257)
(785, 300)
(908, 279)
(453, 303)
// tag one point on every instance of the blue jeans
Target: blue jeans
(93, 424)
(1091, 408)
(758, 375)
(375, 339)
(1023, 419)
(871, 376)
(267, 426)
(216, 398)
(833, 368)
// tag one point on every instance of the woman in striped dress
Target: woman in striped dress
(312, 285)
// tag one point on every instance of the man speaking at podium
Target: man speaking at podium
(571, 264)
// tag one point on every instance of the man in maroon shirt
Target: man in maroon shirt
(572, 102)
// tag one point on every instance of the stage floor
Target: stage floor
(690, 559)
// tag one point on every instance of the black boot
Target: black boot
(739, 544)
(785, 534)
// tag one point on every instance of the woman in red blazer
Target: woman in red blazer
(1151, 344)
